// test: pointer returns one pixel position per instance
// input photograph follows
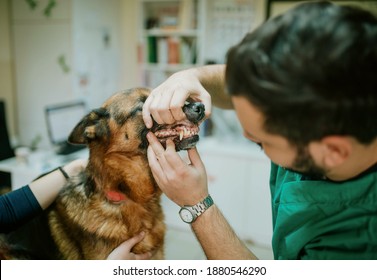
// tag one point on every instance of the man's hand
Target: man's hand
(166, 101)
(184, 183)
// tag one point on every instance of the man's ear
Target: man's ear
(332, 150)
(92, 126)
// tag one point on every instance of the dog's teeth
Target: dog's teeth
(181, 135)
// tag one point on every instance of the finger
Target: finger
(156, 159)
(155, 166)
(146, 112)
(207, 106)
(130, 243)
(155, 109)
(155, 144)
(159, 154)
(195, 158)
(164, 109)
(204, 97)
(123, 251)
(176, 103)
(172, 157)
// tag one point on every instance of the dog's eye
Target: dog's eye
(135, 111)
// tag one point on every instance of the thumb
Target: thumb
(200, 94)
(205, 98)
(130, 243)
(124, 249)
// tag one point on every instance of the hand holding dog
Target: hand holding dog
(46, 188)
(123, 251)
(166, 101)
(75, 167)
(185, 184)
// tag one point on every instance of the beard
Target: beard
(304, 164)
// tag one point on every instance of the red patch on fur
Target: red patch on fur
(115, 197)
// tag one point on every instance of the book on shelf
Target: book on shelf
(152, 49)
(162, 50)
(171, 50)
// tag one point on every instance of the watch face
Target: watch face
(186, 215)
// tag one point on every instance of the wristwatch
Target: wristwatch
(189, 213)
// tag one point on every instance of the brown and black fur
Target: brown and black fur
(85, 222)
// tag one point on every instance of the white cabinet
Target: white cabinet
(238, 176)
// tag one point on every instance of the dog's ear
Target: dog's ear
(92, 126)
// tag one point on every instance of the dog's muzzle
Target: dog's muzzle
(184, 134)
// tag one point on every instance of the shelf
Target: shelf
(170, 38)
(171, 32)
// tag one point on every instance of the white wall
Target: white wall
(129, 27)
(96, 48)
(96, 39)
(38, 41)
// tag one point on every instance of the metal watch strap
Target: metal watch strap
(197, 209)
(203, 205)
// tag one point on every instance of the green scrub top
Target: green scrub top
(321, 219)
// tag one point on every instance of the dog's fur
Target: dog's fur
(116, 197)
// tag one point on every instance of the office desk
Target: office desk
(38, 163)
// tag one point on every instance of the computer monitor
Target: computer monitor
(61, 119)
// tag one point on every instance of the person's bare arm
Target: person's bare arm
(186, 184)
(218, 239)
(46, 188)
(212, 78)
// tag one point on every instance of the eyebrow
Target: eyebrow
(121, 118)
(135, 110)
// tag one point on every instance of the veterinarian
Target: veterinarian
(22, 205)
(304, 87)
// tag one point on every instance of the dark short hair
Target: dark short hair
(312, 72)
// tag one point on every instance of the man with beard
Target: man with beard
(304, 87)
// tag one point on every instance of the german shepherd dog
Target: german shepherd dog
(116, 197)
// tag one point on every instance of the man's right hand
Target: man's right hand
(165, 102)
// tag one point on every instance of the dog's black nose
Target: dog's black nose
(198, 108)
(194, 111)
